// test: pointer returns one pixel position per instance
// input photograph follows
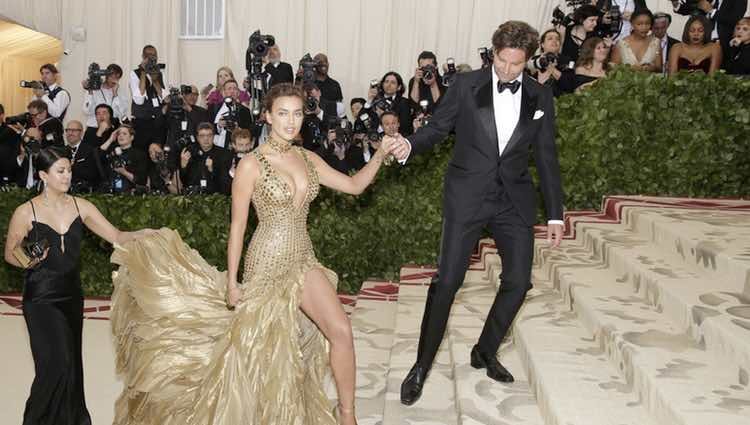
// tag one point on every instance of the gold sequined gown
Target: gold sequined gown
(186, 359)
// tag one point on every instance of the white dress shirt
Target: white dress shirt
(55, 107)
(96, 98)
(135, 89)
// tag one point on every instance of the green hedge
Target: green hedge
(632, 133)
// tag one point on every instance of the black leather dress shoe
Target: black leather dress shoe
(495, 370)
(411, 388)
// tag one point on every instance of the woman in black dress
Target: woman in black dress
(52, 297)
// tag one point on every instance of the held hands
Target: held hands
(555, 234)
(400, 148)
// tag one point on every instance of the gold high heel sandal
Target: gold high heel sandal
(338, 410)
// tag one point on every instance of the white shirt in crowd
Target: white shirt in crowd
(220, 139)
(135, 90)
(96, 98)
(56, 107)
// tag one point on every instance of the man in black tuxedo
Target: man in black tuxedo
(498, 114)
(278, 71)
(221, 113)
(723, 14)
(44, 131)
(662, 21)
(10, 146)
(205, 169)
(87, 172)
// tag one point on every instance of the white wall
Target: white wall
(363, 38)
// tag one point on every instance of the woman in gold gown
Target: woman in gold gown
(185, 358)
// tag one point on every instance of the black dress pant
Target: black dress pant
(515, 244)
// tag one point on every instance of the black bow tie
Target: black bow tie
(513, 86)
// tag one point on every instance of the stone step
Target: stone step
(437, 405)
(677, 380)
(481, 400)
(567, 368)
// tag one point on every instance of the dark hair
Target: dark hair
(399, 81)
(38, 104)
(706, 29)
(662, 15)
(387, 113)
(146, 47)
(107, 107)
(128, 127)
(2, 109)
(205, 126)
(115, 69)
(48, 156)
(241, 133)
(426, 54)
(49, 67)
(310, 86)
(642, 12)
(584, 12)
(586, 54)
(282, 90)
(516, 35)
(544, 36)
(357, 100)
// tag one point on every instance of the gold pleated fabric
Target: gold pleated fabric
(186, 359)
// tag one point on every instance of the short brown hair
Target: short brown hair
(241, 133)
(205, 126)
(50, 67)
(282, 90)
(38, 104)
(516, 35)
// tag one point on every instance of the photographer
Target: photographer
(216, 96)
(278, 71)
(106, 94)
(356, 105)
(548, 66)
(10, 145)
(429, 85)
(56, 97)
(162, 178)
(124, 166)
(205, 168)
(84, 160)
(194, 114)
(585, 20)
(242, 144)
(148, 89)
(319, 112)
(338, 150)
(330, 89)
(229, 114)
(738, 56)
(104, 126)
(38, 130)
(387, 95)
(723, 15)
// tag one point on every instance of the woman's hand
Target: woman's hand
(233, 296)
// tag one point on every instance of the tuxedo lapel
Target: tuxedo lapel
(486, 112)
(528, 105)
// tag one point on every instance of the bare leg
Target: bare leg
(321, 304)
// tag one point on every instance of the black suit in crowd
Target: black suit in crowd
(425, 93)
(737, 60)
(245, 119)
(149, 123)
(216, 181)
(87, 171)
(10, 145)
(197, 115)
(487, 188)
(90, 138)
(330, 89)
(52, 132)
(353, 159)
(136, 163)
(280, 73)
(402, 107)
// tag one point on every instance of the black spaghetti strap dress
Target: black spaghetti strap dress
(53, 310)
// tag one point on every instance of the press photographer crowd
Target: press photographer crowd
(182, 140)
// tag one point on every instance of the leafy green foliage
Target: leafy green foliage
(633, 133)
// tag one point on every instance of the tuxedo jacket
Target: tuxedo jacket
(476, 165)
(86, 166)
(279, 74)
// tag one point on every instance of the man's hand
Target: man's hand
(18, 128)
(39, 92)
(184, 158)
(34, 133)
(401, 148)
(555, 234)
(210, 164)
(705, 6)
(121, 171)
(418, 74)
(115, 87)
(372, 93)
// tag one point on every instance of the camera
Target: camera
(23, 119)
(690, 8)
(450, 76)
(308, 66)
(613, 28)
(382, 103)
(342, 128)
(95, 74)
(429, 72)
(116, 160)
(565, 19)
(232, 116)
(32, 84)
(32, 147)
(367, 126)
(485, 54)
(425, 119)
(259, 44)
(151, 67)
(543, 61)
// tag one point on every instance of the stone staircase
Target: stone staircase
(641, 317)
